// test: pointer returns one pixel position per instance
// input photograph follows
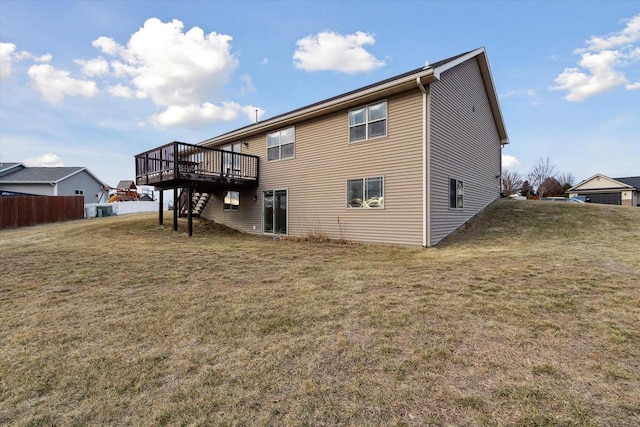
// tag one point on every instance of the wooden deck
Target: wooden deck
(181, 165)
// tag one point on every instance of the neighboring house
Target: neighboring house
(407, 160)
(611, 191)
(51, 181)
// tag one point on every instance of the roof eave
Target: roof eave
(337, 104)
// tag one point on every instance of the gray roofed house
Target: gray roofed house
(52, 181)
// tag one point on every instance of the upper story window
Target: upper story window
(280, 144)
(368, 122)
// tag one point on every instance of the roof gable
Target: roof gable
(47, 175)
(126, 185)
(10, 167)
(598, 182)
(396, 84)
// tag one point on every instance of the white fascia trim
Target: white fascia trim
(314, 110)
(449, 65)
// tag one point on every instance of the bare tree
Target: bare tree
(566, 178)
(511, 182)
(541, 171)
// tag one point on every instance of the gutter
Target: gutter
(426, 163)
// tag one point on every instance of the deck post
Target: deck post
(160, 204)
(190, 212)
(176, 206)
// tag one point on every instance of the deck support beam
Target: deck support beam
(176, 207)
(160, 204)
(190, 212)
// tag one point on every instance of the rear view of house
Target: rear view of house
(405, 161)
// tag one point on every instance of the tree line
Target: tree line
(543, 180)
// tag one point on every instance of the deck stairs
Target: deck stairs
(199, 201)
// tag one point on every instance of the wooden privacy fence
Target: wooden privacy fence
(21, 211)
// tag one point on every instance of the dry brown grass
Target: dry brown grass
(531, 317)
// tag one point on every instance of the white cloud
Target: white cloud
(6, 52)
(182, 72)
(329, 51)
(601, 64)
(47, 57)
(248, 85)
(48, 160)
(194, 115)
(509, 161)
(633, 86)
(93, 67)
(54, 84)
(120, 91)
(629, 35)
(601, 77)
(107, 45)
(176, 68)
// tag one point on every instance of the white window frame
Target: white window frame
(366, 203)
(231, 206)
(367, 121)
(278, 134)
(459, 195)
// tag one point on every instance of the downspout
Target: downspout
(426, 164)
(55, 188)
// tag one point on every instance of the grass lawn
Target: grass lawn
(530, 317)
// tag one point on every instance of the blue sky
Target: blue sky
(94, 83)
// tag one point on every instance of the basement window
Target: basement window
(232, 201)
(456, 194)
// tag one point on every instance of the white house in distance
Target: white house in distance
(16, 178)
(610, 191)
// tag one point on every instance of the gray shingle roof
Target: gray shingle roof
(6, 166)
(633, 181)
(40, 174)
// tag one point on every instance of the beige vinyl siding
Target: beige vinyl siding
(316, 179)
(464, 145)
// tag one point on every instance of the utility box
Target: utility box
(104, 211)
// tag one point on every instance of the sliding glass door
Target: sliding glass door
(274, 208)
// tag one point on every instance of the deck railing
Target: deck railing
(178, 161)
